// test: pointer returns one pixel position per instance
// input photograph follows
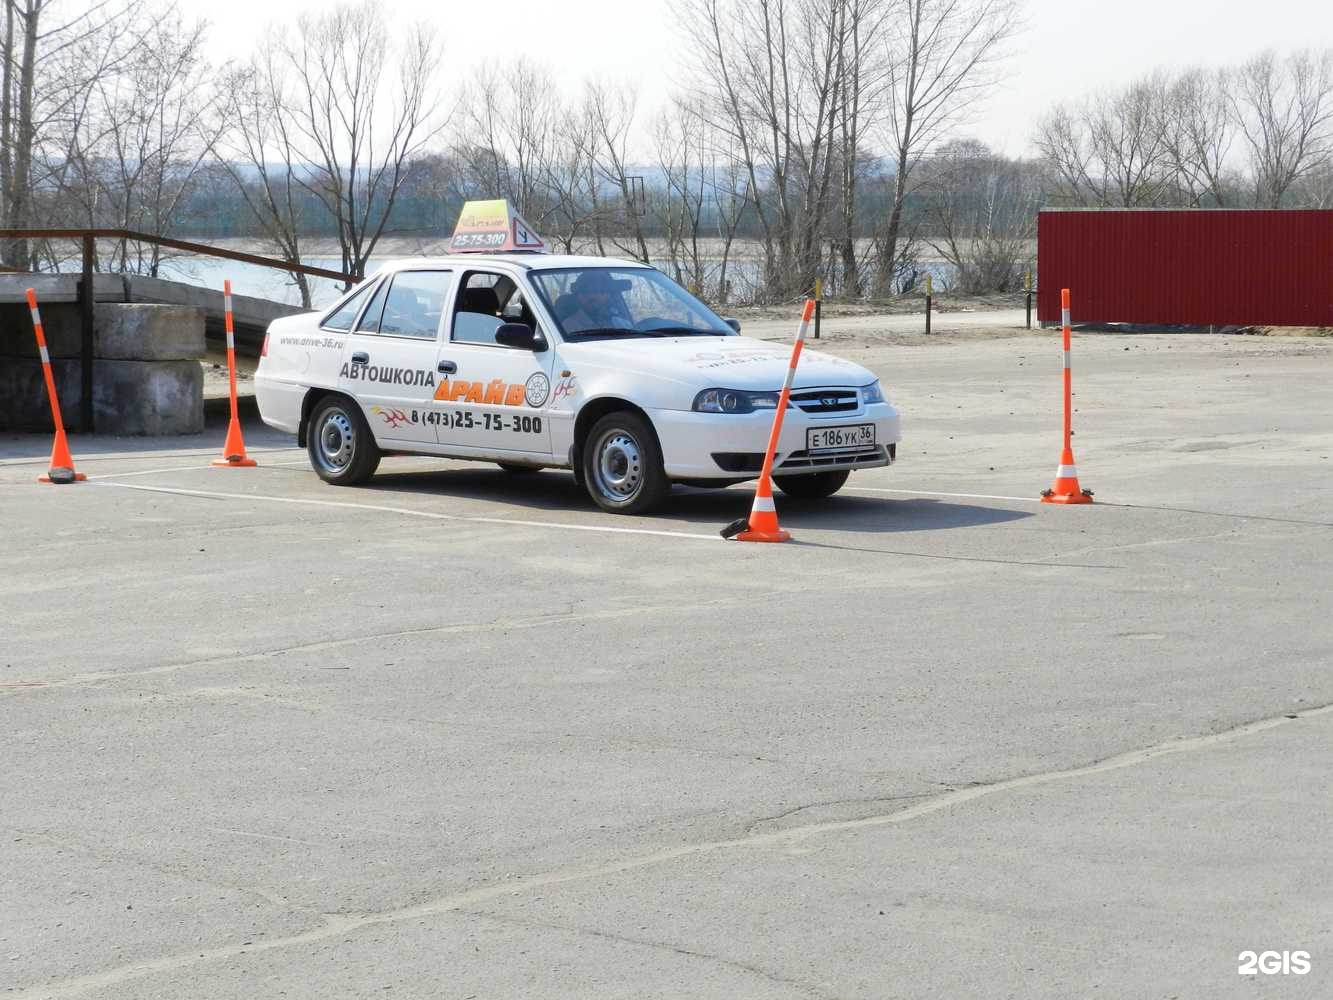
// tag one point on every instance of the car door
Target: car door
(495, 397)
(390, 358)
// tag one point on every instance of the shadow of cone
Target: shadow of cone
(763, 525)
(1066, 488)
(233, 450)
(62, 463)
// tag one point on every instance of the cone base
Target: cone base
(233, 463)
(764, 536)
(1066, 498)
(62, 479)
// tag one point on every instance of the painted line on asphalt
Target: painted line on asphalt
(940, 493)
(186, 468)
(409, 512)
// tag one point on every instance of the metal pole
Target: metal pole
(819, 301)
(88, 325)
(929, 289)
(1027, 322)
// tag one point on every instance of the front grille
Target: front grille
(826, 400)
(805, 460)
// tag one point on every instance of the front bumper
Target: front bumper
(725, 446)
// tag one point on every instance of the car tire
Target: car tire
(517, 469)
(813, 485)
(622, 465)
(340, 443)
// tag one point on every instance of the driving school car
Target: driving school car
(534, 360)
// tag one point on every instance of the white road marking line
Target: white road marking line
(432, 515)
(939, 493)
(186, 468)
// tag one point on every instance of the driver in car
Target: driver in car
(598, 303)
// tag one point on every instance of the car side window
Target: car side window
(415, 304)
(370, 319)
(477, 309)
(341, 318)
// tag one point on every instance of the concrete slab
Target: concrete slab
(458, 733)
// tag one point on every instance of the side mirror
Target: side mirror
(735, 324)
(520, 336)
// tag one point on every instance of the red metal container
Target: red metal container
(1193, 267)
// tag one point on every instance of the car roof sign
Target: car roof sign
(494, 227)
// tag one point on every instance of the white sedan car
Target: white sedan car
(608, 368)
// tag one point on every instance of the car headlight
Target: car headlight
(734, 401)
(872, 393)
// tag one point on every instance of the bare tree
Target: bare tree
(52, 52)
(983, 210)
(1284, 107)
(257, 149)
(610, 112)
(944, 55)
(136, 148)
(358, 133)
(1199, 132)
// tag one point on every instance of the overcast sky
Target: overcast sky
(1067, 47)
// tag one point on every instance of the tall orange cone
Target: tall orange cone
(1066, 488)
(233, 449)
(62, 463)
(762, 524)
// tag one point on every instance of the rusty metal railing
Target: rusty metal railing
(89, 237)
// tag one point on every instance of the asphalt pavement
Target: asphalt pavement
(458, 734)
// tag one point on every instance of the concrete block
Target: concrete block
(148, 332)
(60, 321)
(148, 397)
(23, 402)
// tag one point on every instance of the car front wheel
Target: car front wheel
(813, 485)
(341, 446)
(622, 465)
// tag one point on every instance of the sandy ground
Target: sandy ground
(457, 734)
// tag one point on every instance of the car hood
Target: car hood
(714, 362)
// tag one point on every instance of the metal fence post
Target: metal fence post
(88, 325)
(819, 301)
(929, 290)
(1027, 286)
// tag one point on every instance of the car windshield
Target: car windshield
(610, 302)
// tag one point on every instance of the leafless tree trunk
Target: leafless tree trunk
(943, 55)
(359, 140)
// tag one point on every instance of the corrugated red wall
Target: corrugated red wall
(1191, 267)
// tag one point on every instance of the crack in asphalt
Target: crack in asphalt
(339, 925)
(731, 963)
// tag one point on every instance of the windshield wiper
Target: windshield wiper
(607, 331)
(683, 331)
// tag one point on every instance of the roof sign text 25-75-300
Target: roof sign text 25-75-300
(493, 227)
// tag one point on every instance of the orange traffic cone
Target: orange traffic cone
(762, 525)
(1066, 488)
(233, 449)
(62, 463)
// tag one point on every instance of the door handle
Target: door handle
(360, 358)
(447, 368)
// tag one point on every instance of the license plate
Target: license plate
(839, 438)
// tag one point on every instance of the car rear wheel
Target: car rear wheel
(622, 465)
(341, 446)
(813, 485)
